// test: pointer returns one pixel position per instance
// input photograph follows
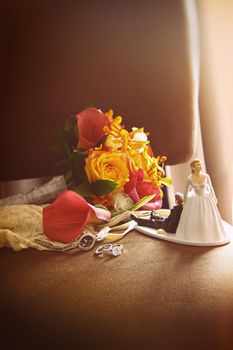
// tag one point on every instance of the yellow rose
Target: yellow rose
(140, 160)
(107, 165)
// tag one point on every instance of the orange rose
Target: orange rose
(107, 165)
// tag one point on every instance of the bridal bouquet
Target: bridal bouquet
(110, 173)
(109, 165)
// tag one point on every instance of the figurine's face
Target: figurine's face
(196, 167)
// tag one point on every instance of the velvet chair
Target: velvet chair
(136, 58)
(133, 58)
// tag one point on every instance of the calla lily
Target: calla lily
(64, 220)
(90, 124)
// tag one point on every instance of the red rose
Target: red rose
(136, 188)
(90, 124)
(64, 220)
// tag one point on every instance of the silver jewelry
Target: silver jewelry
(86, 241)
(110, 249)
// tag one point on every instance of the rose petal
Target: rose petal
(129, 186)
(134, 195)
(145, 188)
(140, 175)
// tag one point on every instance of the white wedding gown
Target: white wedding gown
(200, 220)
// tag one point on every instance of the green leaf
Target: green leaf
(67, 140)
(78, 167)
(103, 187)
(68, 176)
(70, 132)
(84, 189)
(142, 201)
(63, 145)
(89, 200)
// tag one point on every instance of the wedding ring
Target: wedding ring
(117, 249)
(109, 249)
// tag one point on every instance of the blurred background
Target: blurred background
(163, 65)
(215, 27)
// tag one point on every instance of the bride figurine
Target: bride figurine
(200, 220)
(200, 223)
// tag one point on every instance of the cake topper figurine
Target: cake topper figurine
(168, 224)
(200, 221)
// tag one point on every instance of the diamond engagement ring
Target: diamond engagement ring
(109, 249)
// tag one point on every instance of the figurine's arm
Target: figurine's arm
(209, 183)
(186, 191)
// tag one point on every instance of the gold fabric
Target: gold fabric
(156, 295)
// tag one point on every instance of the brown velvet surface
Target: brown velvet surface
(132, 56)
(157, 295)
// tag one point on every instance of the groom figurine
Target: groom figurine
(170, 223)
